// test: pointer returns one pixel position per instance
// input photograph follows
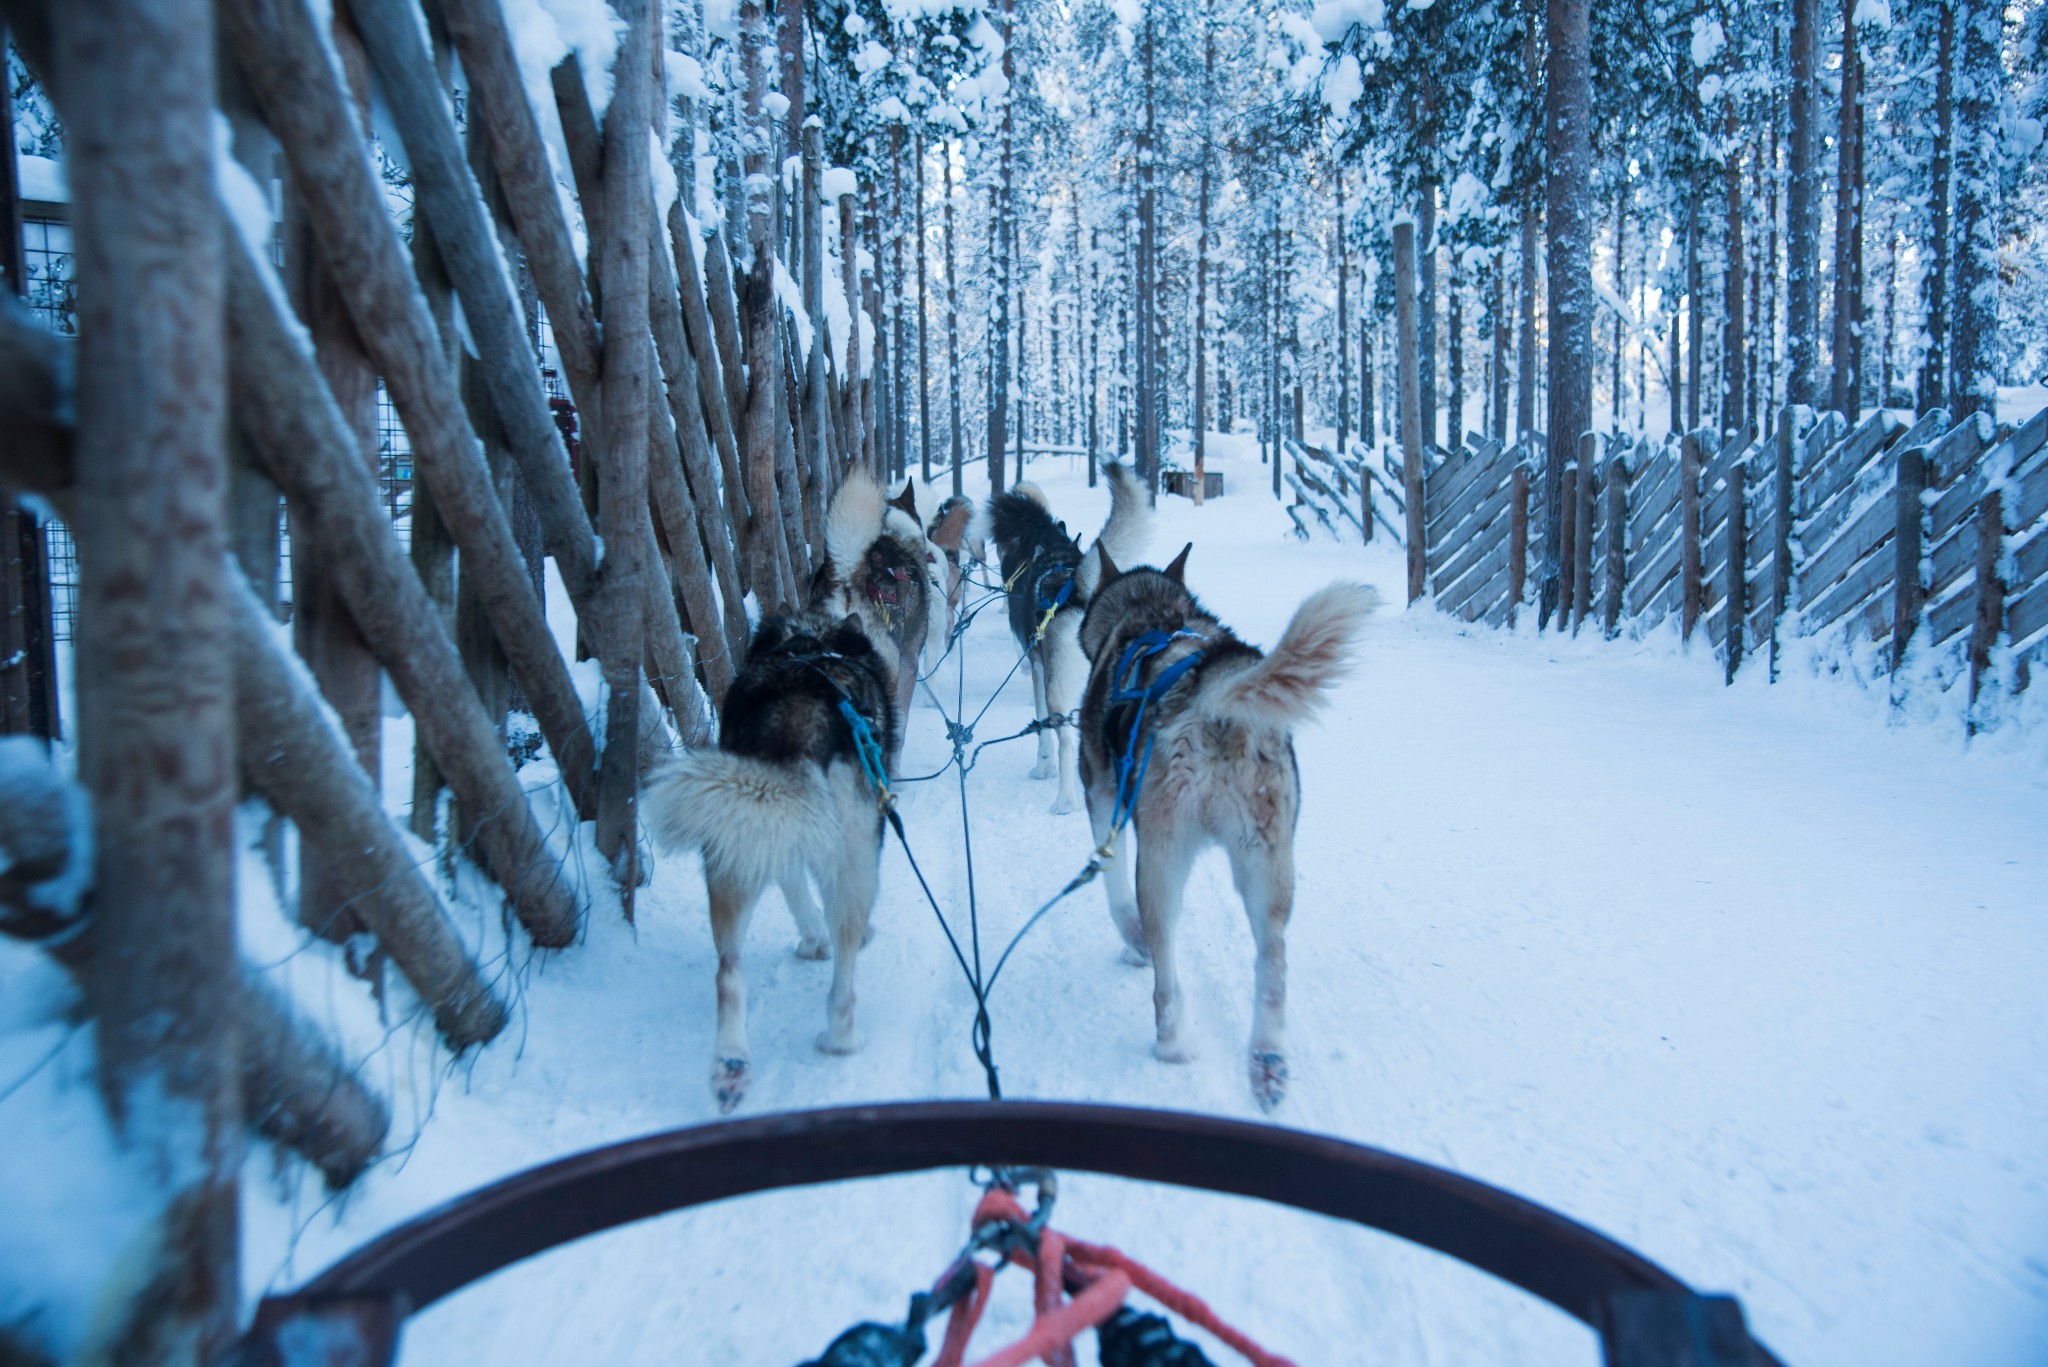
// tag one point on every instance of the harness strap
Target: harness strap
(1050, 606)
(1130, 777)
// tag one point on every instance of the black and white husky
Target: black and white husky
(785, 800)
(954, 545)
(1045, 572)
(1191, 728)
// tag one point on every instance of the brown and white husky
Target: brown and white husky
(1206, 721)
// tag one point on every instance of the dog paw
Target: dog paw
(1269, 1079)
(850, 1042)
(1172, 1051)
(1044, 769)
(1137, 956)
(813, 949)
(1065, 805)
(729, 1078)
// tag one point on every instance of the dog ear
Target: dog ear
(1177, 571)
(907, 500)
(1109, 569)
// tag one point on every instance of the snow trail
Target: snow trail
(1746, 978)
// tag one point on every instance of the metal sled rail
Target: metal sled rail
(1645, 1316)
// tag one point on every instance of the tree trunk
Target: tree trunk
(1972, 369)
(1568, 147)
(1846, 394)
(1525, 376)
(1146, 374)
(154, 664)
(924, 352)
(1201, 415)
(1695, 303)
(1500, 351)
(1411, 407)
(1425, 315)
(1343, 321)
(1802, 209)
(953, 328)
(1734, 360)
(1454, 343)
(1934, 281)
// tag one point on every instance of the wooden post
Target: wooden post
(1989, 587)
(1909, 591)
(1689, 534)
(1615, 516)
(1582, 535)
(1365, 479)
(1518, 535)
(1735, 594)
(1568, 530)
(154, 665)
(1411, 406)
(1782, 483)
(628, 386)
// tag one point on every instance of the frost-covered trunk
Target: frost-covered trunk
(1343, 318)
(1498, 410)
(153, 651)
(1617, 410)
(899, 440)
(953, 326)
(1934, 282)
(1802, 208)
(1695, 300)
(924, 349)
(1200, 421)
(1734, 359)
(1568, 107)
(1846, 394)
(1145, 284)
(1526, 420)
(1425, 304)
(1000, 211)
(1978, 98)
(1454, 344)
(1094, 314)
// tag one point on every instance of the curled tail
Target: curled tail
(1288, 686)
(755, 822)
(852, 523)
(1127, 532)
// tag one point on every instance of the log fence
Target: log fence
(492, 346)
(1896, 536)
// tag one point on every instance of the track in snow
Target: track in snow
(1743, 978)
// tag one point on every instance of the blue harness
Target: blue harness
(1048, 604)
(1130, 777)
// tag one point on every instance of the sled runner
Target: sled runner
(1645, 1317)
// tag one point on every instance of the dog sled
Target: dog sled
(353, 1312)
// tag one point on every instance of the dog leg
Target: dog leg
(1265, 881)
(1063, 663)
(1116, 879)
(810, 926)
(731, 905)
(853, 880)
(1164, 858)
(1047, 758)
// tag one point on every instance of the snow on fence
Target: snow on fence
(1897, 535)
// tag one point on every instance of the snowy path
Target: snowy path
(1745, 978)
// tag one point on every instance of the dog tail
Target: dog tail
(1288, 686)
(852, 524)
(1126, 533)
(754, 821)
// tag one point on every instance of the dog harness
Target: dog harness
(1130, 779)
(1049, 604)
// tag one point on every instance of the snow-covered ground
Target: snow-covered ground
(1749, 978)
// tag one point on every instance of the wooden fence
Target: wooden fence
(1895, 535)
(713, 440)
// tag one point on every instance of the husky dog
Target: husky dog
(951, 536)
(1044, 572)
(877, 568)
(1203, 724)
(784, 799)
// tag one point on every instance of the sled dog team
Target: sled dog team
(1183, 738)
